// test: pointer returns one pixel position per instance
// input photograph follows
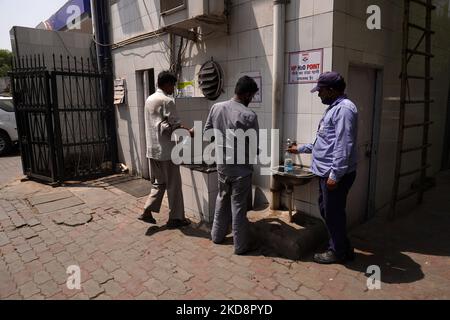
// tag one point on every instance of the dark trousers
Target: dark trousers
(332, 208)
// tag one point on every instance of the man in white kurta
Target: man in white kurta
(161, 120)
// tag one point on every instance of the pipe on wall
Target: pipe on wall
(279, 26)
(101, 21)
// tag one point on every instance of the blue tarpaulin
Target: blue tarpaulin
(60, 19)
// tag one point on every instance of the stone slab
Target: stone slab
(59, 205)
(50, 197)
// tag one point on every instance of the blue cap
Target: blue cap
(330, 79)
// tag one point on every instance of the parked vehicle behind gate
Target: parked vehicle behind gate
(8, 126)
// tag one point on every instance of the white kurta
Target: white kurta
(161, 119)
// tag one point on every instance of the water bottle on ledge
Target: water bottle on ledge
(288, 161)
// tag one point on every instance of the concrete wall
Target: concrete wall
(30, 41)
(247, 48)
(339, 27)
(353, 43)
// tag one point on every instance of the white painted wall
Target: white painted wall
(336, 26)
(353, 43)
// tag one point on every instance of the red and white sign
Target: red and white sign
(305, 66)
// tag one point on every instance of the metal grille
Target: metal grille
(210, 80)
(64, 118)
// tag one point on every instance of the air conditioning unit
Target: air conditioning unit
(190, 14)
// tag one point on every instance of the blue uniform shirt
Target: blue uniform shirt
(334, 151)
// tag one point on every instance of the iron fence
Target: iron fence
(65, 118)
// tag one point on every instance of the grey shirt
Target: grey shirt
(227, 117)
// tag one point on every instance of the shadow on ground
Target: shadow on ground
(400, 247)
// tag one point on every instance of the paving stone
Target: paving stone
(121, 276)
(33, 222)
(7, 288)
(177, 286)
(286, 280)
(35, 241)
(11, 257)
(4, 240)
(109, 266)
(182, 275)
(54, 266)
(146, 296)
(112, 288)
(218, 285)
(28, 289)
(23, 248)
(237, 294)
(59, 205)
(310, 293)
(34, 266)
(242, 283)
(22, 277)
(287, 294)
(39, 247)
(135, 287)
(101, 276)
(92, 289)
(42, 277)
(155, 286)
(28, 233)
(50, 197)
(28, 256)
(18, 222)
(49, 288)
(16, 266)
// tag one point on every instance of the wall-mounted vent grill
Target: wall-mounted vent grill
(210, 80)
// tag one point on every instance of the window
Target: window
(7, 105)
(145, 80)
(169, 6)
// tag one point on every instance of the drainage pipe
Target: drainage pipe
(279, 25)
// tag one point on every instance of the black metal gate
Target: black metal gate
(65, 120)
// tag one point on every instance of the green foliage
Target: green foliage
(5, 62)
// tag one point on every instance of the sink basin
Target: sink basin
(299, 176)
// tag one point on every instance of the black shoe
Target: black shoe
(147, 217)
(328, 257)
(177, 223)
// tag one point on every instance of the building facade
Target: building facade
(320, 35)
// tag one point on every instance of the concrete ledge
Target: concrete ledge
(275, 232)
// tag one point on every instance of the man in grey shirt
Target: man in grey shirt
(235, 177)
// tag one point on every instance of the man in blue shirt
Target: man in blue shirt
(334, 162)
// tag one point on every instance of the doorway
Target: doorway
(145, 86)
(363, 89)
